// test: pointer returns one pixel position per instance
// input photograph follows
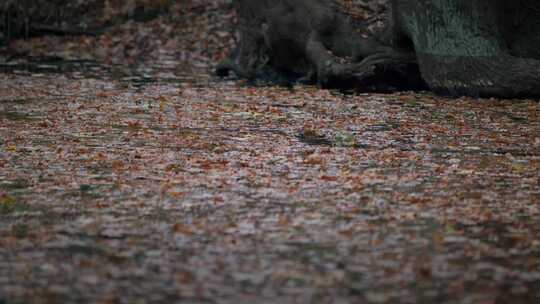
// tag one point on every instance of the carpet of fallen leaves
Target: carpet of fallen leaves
(190, 189)
(194, 33)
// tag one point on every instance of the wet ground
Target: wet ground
(167, 185)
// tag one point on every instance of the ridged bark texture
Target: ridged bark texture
(471, 47)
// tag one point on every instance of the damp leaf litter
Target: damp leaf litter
(160, 182)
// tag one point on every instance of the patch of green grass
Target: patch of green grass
(344, 139)
(437, 115)
(411, 103)
(9, 205)
(20, 230)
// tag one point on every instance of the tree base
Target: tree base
(454, 47)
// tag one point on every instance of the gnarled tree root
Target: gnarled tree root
(499, 76)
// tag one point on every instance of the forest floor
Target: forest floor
(161, 183)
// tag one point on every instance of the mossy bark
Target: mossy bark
(467, 47)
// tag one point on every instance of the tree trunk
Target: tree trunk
(314, 41)
(481, 47)
(471, 47)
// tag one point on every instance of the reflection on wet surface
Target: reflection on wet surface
(165, 72)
